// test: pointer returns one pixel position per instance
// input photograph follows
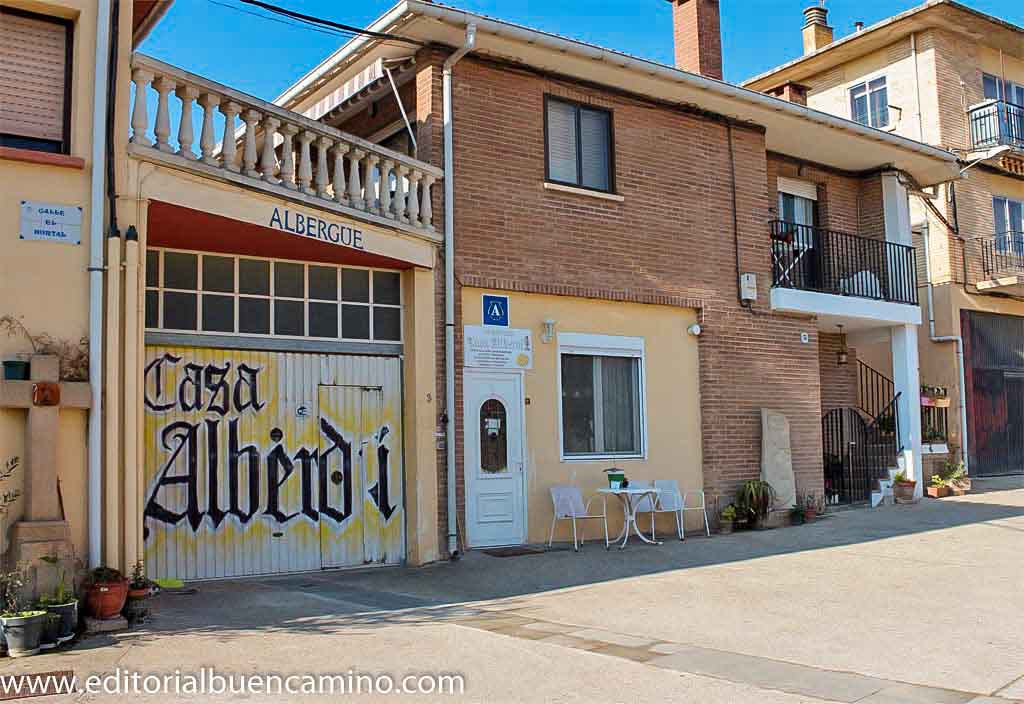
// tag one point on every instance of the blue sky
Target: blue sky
(263, 57)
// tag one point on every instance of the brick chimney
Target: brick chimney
(698, 37)
(817, 33)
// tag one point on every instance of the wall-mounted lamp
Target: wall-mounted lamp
(548, 332)
(844, 354)
(694, 330)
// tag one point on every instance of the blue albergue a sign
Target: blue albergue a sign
(495, 310)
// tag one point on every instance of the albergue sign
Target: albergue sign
(317, 228)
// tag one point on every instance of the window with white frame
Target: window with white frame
(1008, 215)
(233, 295)
(602, 396)
(869, 103)
(996, 89)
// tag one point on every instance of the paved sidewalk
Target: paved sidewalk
(901, 604)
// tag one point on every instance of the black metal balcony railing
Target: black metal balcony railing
(815, 259)
(1003, 254)
(995, 123)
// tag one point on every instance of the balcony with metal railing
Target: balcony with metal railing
(260, 146)
(996, 123)
(841, 264)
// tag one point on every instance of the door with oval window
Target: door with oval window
(495, 501)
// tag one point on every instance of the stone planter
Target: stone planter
(23, 632)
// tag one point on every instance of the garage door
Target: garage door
(270, 462)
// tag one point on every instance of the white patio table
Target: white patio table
(630, 498)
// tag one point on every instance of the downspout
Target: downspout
(947, 338)
(449, 285)
(96, 213)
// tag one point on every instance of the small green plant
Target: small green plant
(12, 590)
(63, 593)
(729, 513)
(105, 575)
(798, 513)
(73, 356)
(938, 481)
(755, 499)
(901, 478)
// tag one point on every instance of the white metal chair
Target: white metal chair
(671, 500)
(668, 500)
(569, 506)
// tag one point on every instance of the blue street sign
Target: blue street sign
(496, 310)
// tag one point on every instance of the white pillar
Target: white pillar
(906, 377)
(896, 209)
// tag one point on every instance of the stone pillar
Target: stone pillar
(42, 530)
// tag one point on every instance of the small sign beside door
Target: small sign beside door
(497, 348)
(51, 222)
(495, 312)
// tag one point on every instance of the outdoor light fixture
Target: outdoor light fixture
(548, 332)
(844, 354)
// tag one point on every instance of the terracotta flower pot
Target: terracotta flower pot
(106, 599)
(810, 514)
(725, 526)
(938, 492)
(904, 492)
(139, 593)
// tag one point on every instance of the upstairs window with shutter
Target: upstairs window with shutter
(35, 81)
(579, 144)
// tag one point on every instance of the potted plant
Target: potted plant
(937, 487)
(754, 500)
(107, 592)
(50, 631)
(22, 628)
(812, 505)
(797, 515)
(73, 356)
(903, 488)
(139, 590)
(63, 602)
(727, 518)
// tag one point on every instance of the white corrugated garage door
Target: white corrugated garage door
(270, 462)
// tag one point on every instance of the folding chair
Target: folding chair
(569, 506)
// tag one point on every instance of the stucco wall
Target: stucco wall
(45, 284)
(672, 398)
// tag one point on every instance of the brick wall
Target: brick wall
(696, 28)
(838, 382)
(670, 241)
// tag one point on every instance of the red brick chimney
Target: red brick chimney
(698, 36)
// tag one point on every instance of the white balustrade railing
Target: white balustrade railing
(276, 146)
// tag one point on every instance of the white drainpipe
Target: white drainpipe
(947, 338)
(449, 285)
(97, 210)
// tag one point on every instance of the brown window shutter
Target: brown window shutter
(33, 67)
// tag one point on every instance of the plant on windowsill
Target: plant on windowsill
(22, 628)
(727, 519)
(754, 501)
(107, 592)
(903, 488)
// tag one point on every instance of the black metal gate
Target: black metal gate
(857, 452)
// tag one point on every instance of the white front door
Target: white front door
(495, 495)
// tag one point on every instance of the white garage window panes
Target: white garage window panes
(602, 400)
(232, 295)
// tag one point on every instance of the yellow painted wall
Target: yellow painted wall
(46, 283)
(672, 396)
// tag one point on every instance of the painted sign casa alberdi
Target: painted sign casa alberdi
(498, 348)
(51, 222)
